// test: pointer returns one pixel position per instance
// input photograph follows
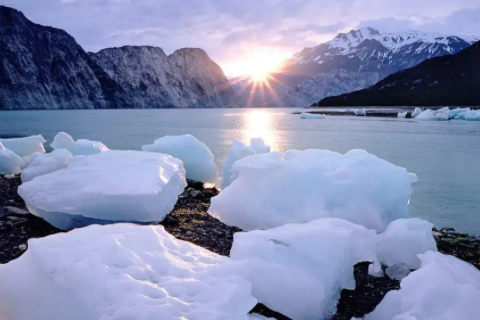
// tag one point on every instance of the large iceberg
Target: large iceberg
(431, 115)
(121, 272)
(46, 163)
(9, 161)
(196, 156)
(472, 115)
(403, 240)
(306, 115)
(444, 288)
(27, 146)
(238, 151)
(416, 112)
(82, 147)
(299, 270)
(300, 186)
(127, 186)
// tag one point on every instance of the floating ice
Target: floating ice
(121, 272)
(472, 115)
(46, 163)
(196, 156)
(360, 112)
(403, 240)
(300, 186)
(444, 288)
(27, 146)
(80, 147)
(258, 317)
(431, 115)
(9, 161)
(459, 113)
(416, 112)
(130, 186)
(305, 115)
(239, 151)
(299, 270)
(402, 114)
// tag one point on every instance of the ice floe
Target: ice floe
(306, 115)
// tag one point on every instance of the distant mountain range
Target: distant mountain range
(351, 61)
(452, 80)
(44, 68)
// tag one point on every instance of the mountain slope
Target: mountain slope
(447, 80)
(44, 68)
(351, 61)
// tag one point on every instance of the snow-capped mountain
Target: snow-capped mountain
(44, 68)
(351, 61)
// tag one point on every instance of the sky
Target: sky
(242, 34)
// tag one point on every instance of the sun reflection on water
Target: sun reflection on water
(260, 124)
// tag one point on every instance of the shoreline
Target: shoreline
(189, 221)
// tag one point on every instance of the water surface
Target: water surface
(444, 155)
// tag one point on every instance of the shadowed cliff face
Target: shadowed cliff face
(44, 68)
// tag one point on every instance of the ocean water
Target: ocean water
(444, 155)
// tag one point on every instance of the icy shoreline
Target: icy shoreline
(190, 221)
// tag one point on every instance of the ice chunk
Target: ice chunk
(472, 115)
(27, 146)
(305, 115)
(121, 272)
(26, 161)
(402, 115)
(80, 147)
(398, 271)
(9, 161)
(299, 270)
(375, 270)
(239, 151)
(300, 186)
(431, 115)
(416, 112)
(459, 113)
(403, 240)
(131, 186)
(46, 163)
(444, 288)
(360, 112)
(196, 156)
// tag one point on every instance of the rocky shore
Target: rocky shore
(190, 221)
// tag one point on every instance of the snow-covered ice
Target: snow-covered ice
(27, 146)
(402, 115)
(9, 161)
(196, 156)
(46, 163)
(82, 147)
(416, 112)
(431, 115)
(299, 270)
(239, 151)
(360, 112)
(300, 186)
(121, 272)
(444, 288)
(306, 115)
(130, 186)
(403, 240)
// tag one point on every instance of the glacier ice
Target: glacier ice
(360, 112)
(402, 114)
(403, 240)
(299, 270)
(46, 163)
(27, 146)
(131, 186)
(431, 115)
(472, 115)
(9, 161)
(120, 272)
(299, 186)
(458, 113)
(196, 156)
(416, 112)
(239, 151)
(444, 288)
(306, 115)
(82, 147)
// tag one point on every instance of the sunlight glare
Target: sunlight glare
(260, 124)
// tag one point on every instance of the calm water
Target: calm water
(444, 155)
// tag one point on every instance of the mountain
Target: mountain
(452, 80)
(351, 61)
(44, 68)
